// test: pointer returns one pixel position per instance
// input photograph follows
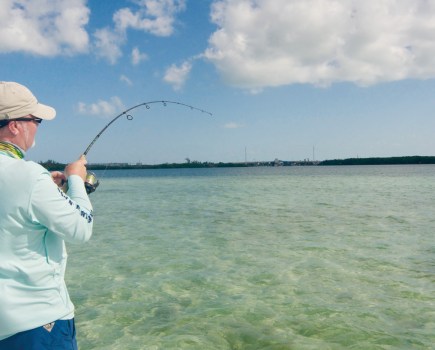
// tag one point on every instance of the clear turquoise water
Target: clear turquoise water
(259, 258)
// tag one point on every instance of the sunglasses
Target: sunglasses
(36, 120)
(6, 122)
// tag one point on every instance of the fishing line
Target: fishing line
(91, 182)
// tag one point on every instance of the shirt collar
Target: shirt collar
(11, 150)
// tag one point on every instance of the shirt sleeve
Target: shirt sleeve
(66, 215)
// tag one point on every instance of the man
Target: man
(36, 218)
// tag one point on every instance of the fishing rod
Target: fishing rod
(91, 182)
(129, 117)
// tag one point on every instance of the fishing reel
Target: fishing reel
(91, 182)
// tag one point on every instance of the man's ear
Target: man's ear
(13, 128)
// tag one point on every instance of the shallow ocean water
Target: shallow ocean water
(259, 258)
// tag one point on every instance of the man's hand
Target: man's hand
(77, 168)
(58, 177)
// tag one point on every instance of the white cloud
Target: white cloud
(101, 107)
(44, 27)
(177, 75)
(156, 17)
(137, 56)
(107, 44)
(126, 80)
(54, 27)
(262, 43)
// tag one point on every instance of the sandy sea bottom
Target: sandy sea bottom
(259, 258)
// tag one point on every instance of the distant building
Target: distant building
(278, 162)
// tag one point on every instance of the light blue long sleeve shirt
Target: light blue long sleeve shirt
(36, 219)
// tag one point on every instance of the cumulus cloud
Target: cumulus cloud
(177, 75)
(156, 17)
(262, 43)
(137, 56)
(107, 44)
(44, 27)
(101, 107)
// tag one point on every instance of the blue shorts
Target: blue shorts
(58, 335)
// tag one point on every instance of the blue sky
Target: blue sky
(281, 77)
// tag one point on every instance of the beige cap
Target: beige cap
(17, 101)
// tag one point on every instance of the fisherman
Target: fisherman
(36, 219)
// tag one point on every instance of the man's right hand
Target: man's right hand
(77, 168)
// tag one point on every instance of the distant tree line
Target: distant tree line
(381, 161)
(52, 165)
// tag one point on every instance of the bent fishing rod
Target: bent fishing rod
(130, 117)
(91, 182)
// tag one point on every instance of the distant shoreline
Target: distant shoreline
(53, 165)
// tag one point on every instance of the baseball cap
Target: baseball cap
(17, 101)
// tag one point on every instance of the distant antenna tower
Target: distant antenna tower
(246, 158)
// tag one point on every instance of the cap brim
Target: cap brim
(44, 112)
